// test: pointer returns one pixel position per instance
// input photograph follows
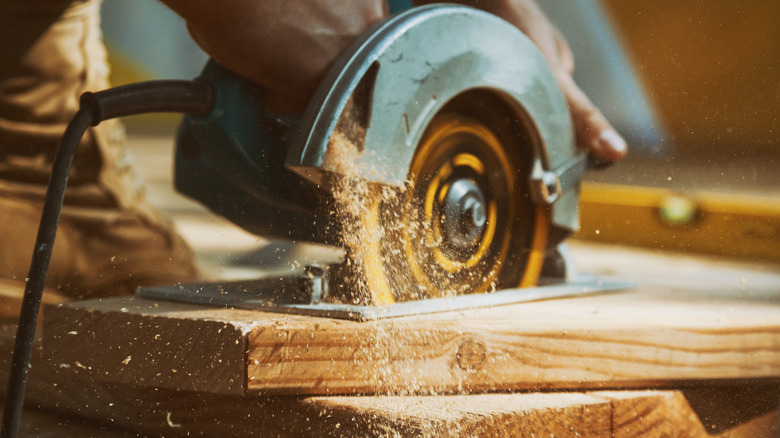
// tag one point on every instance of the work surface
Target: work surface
(703, 333)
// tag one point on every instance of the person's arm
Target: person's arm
(593, 131)
(285, 46)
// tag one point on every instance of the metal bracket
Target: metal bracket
(288, 295)
(547, 186)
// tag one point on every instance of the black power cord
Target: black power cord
(178, 96)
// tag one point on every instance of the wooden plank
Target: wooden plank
(699, 317)
(624, 340)
(609, 341)
(613, 414)
(654, 414)
(693, 318)
(144, 345)
(165, 412)
(489, 415)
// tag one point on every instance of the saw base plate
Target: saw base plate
(268, 295)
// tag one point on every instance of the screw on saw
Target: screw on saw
(464, 213)
(473, 217)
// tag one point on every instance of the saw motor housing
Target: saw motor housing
(269, 173)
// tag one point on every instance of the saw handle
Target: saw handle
(176, 96)
(232, 159)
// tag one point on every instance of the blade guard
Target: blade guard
(417, 62)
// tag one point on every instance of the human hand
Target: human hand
(284, 46)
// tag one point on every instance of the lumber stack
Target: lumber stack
(684, 354)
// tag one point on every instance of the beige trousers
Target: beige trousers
(110, 240)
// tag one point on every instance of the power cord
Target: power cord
(177, 96)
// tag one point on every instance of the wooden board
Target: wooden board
(83, 405)
(596, 414)
(722, 324)
(164, 412)
(149, 344)
(729, 306)
(668, 281)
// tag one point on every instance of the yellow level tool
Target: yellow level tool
(713, 223)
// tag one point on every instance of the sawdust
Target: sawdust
(355, 200)
(378, 225)
(381, 230)
(384, 348)
(373, 244)
(390, 249)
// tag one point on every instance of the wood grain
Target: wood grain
(584, 343)
(623, 340)
(165, 412)
(144, 349)
(614, 414)
(662, 334)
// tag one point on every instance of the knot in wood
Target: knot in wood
(471, 355)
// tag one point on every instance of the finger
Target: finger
(594, 133)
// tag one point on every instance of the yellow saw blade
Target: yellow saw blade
(422, 242)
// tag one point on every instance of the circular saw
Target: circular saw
(438, 152)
